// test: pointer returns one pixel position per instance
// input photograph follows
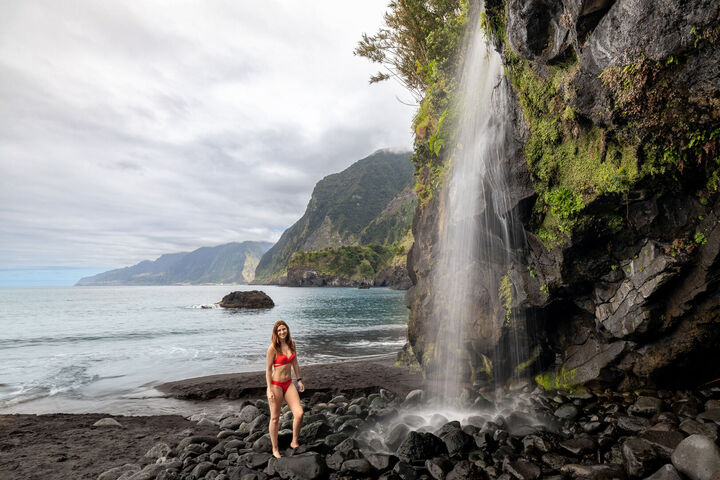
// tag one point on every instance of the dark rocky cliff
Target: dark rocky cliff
(616, 108)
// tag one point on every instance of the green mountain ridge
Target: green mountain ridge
(229, 263)
(370, 202)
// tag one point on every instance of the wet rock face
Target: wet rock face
(655, 30)
(640, 308)
(251, 299)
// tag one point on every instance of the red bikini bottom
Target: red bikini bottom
(285, 385)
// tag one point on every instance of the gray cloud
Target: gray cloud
(132, 129)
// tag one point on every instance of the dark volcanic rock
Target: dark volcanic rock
(664, 442)
(306, 466)
(629, 309)
(251, 299)
(666, 472)
(640, 457)
(421, 446)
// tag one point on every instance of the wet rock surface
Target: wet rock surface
(637, 307)
(520, 436)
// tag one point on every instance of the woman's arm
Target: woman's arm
(296, 367)
(269, 358)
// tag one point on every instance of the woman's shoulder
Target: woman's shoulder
(271, 350)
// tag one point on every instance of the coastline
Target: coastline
(57, 446)
(349, 377)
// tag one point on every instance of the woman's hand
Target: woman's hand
(270, 394)
(301, 387)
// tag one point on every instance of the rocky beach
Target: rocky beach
(378, 426)
(381, 422)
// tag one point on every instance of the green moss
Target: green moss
(522, 367)
(700, 238)
(353, 261)
(560, 379)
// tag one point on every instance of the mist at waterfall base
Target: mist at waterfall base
(479, 239)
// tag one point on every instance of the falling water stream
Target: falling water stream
(473, 284)
(478, 237)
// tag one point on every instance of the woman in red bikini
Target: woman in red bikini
(280, 359)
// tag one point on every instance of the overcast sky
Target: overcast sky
(129, 129)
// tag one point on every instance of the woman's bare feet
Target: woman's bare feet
(294, 444)
(276, 453)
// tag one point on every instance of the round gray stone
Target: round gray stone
(697, 457)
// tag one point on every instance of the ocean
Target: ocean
(102, 349)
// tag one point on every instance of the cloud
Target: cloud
(133, 129)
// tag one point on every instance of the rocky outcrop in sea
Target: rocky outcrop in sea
(249, 299)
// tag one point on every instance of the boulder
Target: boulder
(306, 466)
(249, 299)
(640, 457)
(698, 457)
(420, 447)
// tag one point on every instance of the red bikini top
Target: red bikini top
(281, 360)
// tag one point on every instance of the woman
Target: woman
(280, 358)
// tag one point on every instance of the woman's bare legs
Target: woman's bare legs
(293, 400)
(275, 407)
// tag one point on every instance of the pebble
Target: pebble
(107, 422)
(158, 450)
(116, 472)
(567, 412)
(578, 446)
(646, 406)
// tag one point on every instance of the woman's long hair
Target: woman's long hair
(276, 339)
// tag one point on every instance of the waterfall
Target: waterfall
(478, 239)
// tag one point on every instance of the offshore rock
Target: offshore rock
(251, 299)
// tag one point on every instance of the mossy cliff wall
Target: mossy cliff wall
(615, 173)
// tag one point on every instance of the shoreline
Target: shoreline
(218, 392)
(357, 376)
(57, 446)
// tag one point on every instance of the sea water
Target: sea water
(78, 349)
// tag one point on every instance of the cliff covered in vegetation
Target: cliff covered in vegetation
(614, 164)
(353, 230)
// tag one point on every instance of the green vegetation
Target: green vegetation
(350, 261)
(700, 238)
(648, 143)
(561, 379)
(369, 202)
(421, 47)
